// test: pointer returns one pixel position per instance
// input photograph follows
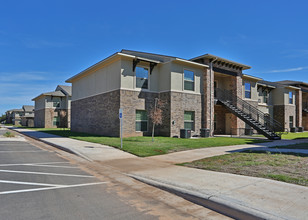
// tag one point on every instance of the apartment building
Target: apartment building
(52, 109)
(204, 92)
(13, 116)
(27, 118)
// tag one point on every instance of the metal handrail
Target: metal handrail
(264, 119)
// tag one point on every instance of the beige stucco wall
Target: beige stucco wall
(39, 103)
(254, 89)
(128, 77)
(281, 96)
(103, 80)
(177, 77)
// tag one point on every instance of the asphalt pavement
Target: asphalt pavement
(38, 184)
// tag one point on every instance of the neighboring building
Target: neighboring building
(52, 109)
(300, 100)
(14, 116)
(27, 119)
(205, 92)
(9, 116)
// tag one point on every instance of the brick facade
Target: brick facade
(299, 108)
(282, 114)
(97, 114)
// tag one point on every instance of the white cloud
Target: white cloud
(23, 76)
(286, 70)
(43, 44)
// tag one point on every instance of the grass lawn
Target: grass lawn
(282, 167)
(292, 136)
(294, 146)
(144, 147)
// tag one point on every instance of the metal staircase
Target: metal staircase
(260, 121)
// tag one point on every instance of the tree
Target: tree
(156, 114)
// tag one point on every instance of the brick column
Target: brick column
(208, 100)
(237, 87)
(299, 108)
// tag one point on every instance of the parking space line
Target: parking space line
(25, 164)
(50, 188)
(16, 151)
(41, 173)
(44, 165)
(29, 183)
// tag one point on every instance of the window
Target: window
(142, 77)
(290, 97)
(189, 80)
(291, 123)
(141, 120)
(56, 102)
(189, 118)
(55, 121)
(247, 90)
(265, 97)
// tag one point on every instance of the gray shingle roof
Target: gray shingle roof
(28, 108)
(66, 89)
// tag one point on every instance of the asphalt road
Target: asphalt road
(37, 184)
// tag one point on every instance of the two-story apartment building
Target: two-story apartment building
(204, 92)
(27, 118)
(52, 109)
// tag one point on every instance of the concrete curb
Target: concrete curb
(54, 145)
(231, 209)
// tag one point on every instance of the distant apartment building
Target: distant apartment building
(52, 109)
(27, 118)
(13, 116)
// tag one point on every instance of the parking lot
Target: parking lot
(37, 184)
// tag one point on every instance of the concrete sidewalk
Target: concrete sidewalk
(231, 194)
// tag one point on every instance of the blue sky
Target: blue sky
(43, 43)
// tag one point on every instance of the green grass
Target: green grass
(292, 136)
(144, 147)
(8, 134)
(294, 146)
(282, 167)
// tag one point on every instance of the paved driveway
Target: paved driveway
(37, 184)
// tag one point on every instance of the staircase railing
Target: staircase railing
(264, 119)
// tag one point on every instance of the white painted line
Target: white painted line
(25, 164)
(24, 151)
(43, 165)
(50, 188)
(29, 183)
(41, 173)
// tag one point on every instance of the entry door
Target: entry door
(228, 123)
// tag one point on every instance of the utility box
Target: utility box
(185, 133)
(293, 129)
(205, 132)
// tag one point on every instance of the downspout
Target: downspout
(211, 112)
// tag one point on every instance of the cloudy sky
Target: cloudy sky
(43, 43)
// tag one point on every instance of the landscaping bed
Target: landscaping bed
(288, 168)
(144, 147)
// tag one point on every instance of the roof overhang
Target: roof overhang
(190, 62)
(293, 87)
(222, 60)
(252, 77)
(265, 85)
